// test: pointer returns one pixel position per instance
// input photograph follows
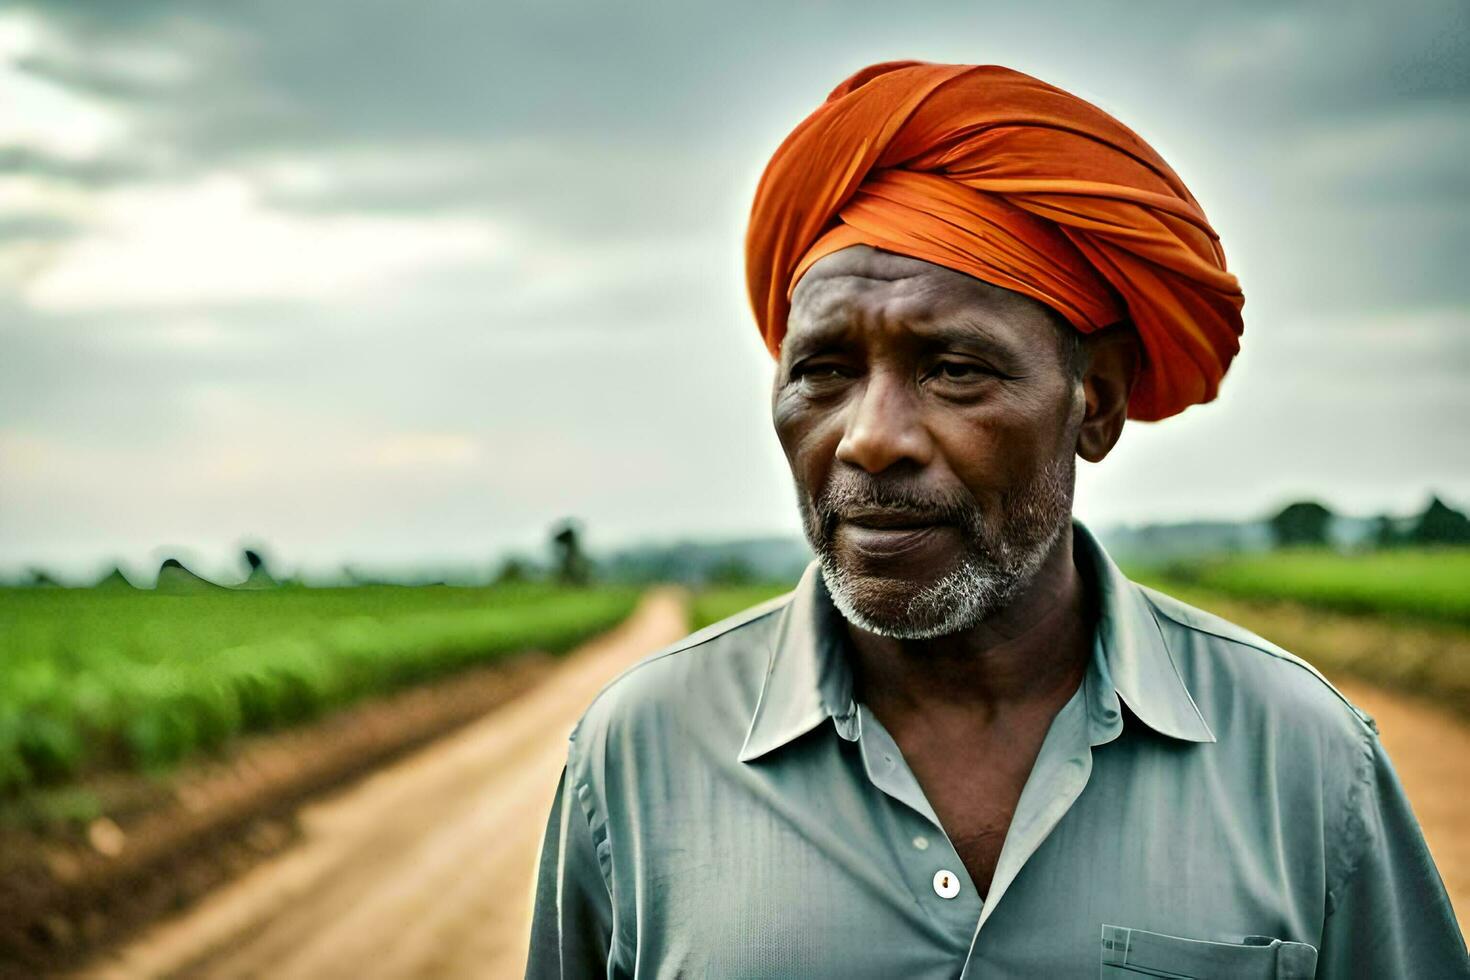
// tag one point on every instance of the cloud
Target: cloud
(22, 227)
(1346, 355)
(95, 171)
(47, 120)
(1419, 153)
(421, 451)
(1293, 62)
(265, 264)
(211, 242)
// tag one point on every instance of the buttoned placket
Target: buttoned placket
(1091, 717)
(931, 865)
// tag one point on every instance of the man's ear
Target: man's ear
(1114, 358)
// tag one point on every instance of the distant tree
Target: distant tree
(512, 571)
(40, 579)
(1440, 524)
(571, 563)
(1302, 523)
(114, 579)
(174, 577)
(1385, 532)
(260, 576)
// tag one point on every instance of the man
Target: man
(966, 745)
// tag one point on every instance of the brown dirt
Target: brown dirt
(425, 868)
(1430, 749)
(162, 843)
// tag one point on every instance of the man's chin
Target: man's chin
(892, 605)
(903, 622)
(897, 557)
(881, 584)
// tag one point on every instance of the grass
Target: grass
(98, 679)
(1424, 584)
(1395, 618)
(710, 605)
(1430, 660)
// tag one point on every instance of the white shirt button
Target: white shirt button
(921, 842)
(946, 884)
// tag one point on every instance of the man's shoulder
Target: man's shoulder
(716, 669)
(1226, 662)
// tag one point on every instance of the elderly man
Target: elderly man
(966, 745)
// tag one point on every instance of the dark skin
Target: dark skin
(901, 367)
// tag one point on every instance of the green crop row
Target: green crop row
(717, 602)
(1429, 660)
(91, 680)
(1430, 584)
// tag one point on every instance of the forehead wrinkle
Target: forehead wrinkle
(931, 304)
(1006, 319)
(823, 285)
(817, 332)
(826, 310)
(820, 307)
(958, 323)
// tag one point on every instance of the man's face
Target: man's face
(930, 422)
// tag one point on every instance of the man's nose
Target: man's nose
(884, 426)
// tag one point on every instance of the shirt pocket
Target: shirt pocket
(1131, 953)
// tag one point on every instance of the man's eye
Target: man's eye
(818, 372)
(958, 371)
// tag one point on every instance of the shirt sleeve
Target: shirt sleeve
(571, 924)
(1391, 916)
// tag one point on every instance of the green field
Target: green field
(715, 603)
(94, 679)
(1431, 585)
(101, 679)
(1396, 618)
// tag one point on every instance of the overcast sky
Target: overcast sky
(406, 282)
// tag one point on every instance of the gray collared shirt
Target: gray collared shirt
(1205, 805)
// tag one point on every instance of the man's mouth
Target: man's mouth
(889, 520)
(889, 534)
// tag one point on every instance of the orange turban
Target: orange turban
(1001, 176)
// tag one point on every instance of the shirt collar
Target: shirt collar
(808, 678)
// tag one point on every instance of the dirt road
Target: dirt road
(1430, 748)
(424, 869)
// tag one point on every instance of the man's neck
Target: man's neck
(1033, 651)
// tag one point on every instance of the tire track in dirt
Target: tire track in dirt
(423, 869)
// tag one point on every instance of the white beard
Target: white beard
(987, 579)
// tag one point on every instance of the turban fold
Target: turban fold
(1003, 177)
